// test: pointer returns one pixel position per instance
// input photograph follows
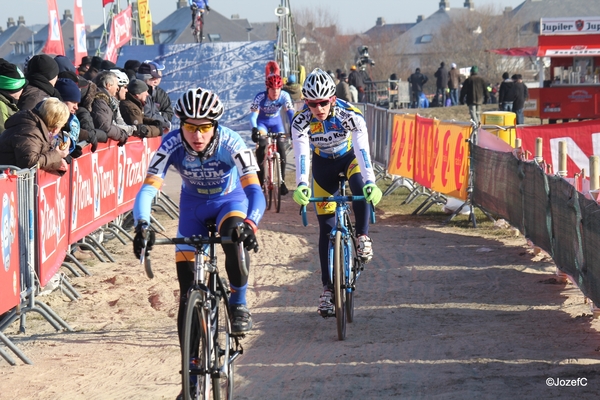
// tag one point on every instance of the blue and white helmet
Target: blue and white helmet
(318, 85)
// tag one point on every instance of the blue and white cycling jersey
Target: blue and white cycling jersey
(229, 171)
(266, 112)
(200, 3)
(342, 132)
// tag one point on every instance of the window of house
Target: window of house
(424, 39)
(214, 37)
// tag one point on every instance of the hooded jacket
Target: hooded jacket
(26, 142)
(132, 110)
(104, 114)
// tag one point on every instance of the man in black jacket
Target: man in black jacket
(417, 80)
(474, 93)
(441, 83)
(506, 93)
(521, 94)
(158, 105)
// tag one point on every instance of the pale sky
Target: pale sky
(355, 16)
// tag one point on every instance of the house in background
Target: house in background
(16, 32)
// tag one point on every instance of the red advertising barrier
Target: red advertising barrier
(403, 146)
(10, 285)
(424, 151)
(52, 223)
(583, 141)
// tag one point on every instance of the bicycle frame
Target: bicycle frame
(273, 175)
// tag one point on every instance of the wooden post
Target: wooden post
(562, 158)
(538, 150)
(594, 173)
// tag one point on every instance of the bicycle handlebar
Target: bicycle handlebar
(337, 199)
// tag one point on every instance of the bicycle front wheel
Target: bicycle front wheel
(338, 285)
(223, 383)
(195, 360)
(268, 182)
(277, 181)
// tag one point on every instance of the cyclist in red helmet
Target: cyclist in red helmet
(265, 117)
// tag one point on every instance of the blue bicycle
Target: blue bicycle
(344, 265)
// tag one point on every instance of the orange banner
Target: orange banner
(403, 146)
(449, 164)
(423, 151)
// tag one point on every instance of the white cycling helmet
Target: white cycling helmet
(199, 103)
(122, 78)
(318, 85)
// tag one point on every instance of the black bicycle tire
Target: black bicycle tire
(353, 260)
(338, 283)
(268, 177)
(277, 182)
(194, 309)
(223, 339)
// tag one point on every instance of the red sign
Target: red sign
(564, 102)
(424, 151)
(583, 141)
(79, 33)
(52, 223)
(10, 285)
(120, 34)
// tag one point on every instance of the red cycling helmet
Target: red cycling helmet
(274, 81)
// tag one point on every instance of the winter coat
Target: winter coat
(474, 91)
(162, 101)
(83, 113)
(38, 89)
(454, 79)
(151, 111)
(104, 112)
(355, 79)
(507, 92)
(441, 75)
(8, 107)
(294, 89)
(521, 94)
(342, 91)
(26, 142)
(132, 110)
(417, 80)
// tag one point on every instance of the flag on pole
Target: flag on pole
(120, 33)
(54, 44)
(145, 21)
(105, 2)
(79, 34)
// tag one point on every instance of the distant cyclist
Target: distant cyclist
(219, 183)
(265, 117)
(334, 134)
(198, 6)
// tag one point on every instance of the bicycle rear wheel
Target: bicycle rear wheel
(195, 360)
(338, 285)
(223, 384)
(277, 181)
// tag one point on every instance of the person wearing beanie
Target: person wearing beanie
(89, 132)
(132, 110)
(158, 99)
(64, 64)
(28, 138)
(70, 93)
(293, 88)
(42, 74)
(12, 82)
(342, 89)
(107, 65)
(474, 93)
(454, 80)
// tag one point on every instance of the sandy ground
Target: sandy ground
(441, 313)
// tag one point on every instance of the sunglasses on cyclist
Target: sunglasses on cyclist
(314, 104)
(203, 128)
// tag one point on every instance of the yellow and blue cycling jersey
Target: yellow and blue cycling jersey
(344, 131)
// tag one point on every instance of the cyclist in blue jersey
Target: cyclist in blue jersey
(265, 117)
(198, 6)
(334, 133)
(219, 183)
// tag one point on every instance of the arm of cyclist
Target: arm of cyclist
(300, 129)
(254, 123)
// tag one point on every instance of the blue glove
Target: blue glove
(302, 194)
(372, 193)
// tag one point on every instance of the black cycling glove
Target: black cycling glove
(143, 234)
(245, 234)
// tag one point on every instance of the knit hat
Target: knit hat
(69, 75)
(292, 78)
(11, 78)
(505, 75)
(132, 65)
(64, 64)
(69, 91)
(474, 69)
(137, 86)
(44, 65)
(148, 69)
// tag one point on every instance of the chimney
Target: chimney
(507, 10)
(445, 5)
(182, 4)
(420, 18)
(21, 20)
(310, 26)
(10, 23)
(67, 15)
(469, 4)
(235, 16)
(380, 21)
